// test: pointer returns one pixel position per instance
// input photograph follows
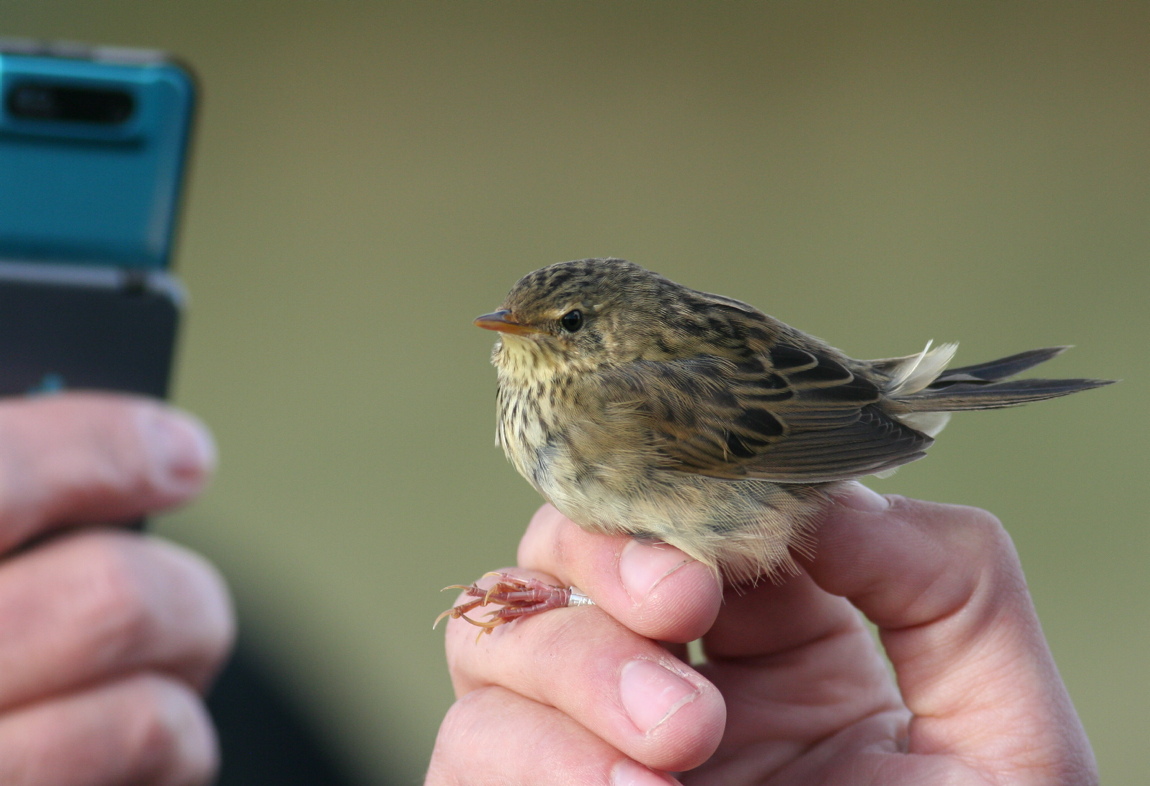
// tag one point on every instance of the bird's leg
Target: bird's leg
(515, 598)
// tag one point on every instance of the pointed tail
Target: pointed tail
(986, 385)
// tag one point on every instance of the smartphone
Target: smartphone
(94, 144)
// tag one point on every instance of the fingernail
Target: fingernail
(643, 565)
(856, 496)
(181, 445)
(652, 693)
(631, 773)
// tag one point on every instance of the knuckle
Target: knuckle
(77, 455)
(985, 524)
(134, 601)
(141, 729)
(465, 712)
(538, 541)
(493, 736)
(462, 728)
(111, 603)
(103, 447)
(970, 530)
(985, 538)
(170, 735)
(982, 568)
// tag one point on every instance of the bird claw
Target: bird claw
(515, 597)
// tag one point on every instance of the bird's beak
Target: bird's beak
(504, 322)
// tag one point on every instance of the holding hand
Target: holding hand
(794, 690)
(109, 637)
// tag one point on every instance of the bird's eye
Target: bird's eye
(571, 321)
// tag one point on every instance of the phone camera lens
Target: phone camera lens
(31, 101)
(39, 101)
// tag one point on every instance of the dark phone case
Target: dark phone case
(114, 335)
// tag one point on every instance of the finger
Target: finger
(142, 729)
(624, 688)
(94, 604)
(778, 616)
(654, 589)
(791, 646)
(485, 733)
(945, 587)
(90, 457)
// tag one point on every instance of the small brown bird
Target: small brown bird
(638, 406)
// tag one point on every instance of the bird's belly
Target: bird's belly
(659, 504)
(612, 493)
(742, 529)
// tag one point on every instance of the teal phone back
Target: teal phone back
(92, 151)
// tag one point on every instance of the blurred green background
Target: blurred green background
(369, 176)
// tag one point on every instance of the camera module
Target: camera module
(66, 103)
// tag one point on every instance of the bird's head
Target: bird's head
(596, 312)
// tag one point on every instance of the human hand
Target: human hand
(794, 690)
(108, 637)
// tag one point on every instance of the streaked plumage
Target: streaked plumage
(639, 406)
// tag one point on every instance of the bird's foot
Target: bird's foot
(515, 598)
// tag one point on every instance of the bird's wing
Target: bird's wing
(797, 415)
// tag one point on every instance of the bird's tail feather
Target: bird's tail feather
(925, 404)
(986, 385)
(1000, 369)
(958, 396)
